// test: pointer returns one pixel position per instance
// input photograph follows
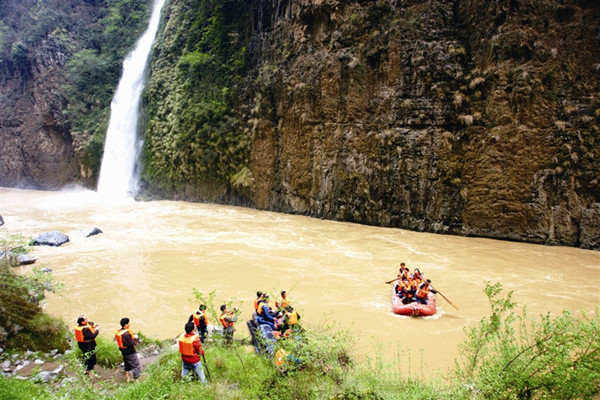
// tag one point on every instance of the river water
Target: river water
(153, 254)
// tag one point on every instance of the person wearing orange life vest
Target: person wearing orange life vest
(281, 306)
(408, 291)
(85, 334)
(126, 340)
(291, 319)
(200, 320)
(423, 291)
(417, 276)
(190, 348)
(259, 297)
(264, 314)
(227, 320)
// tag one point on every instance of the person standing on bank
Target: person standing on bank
(200, 321)
(227, 320)
(191, 349)
(127, 340)
(85, 334)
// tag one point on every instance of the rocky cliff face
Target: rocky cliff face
(468, 117)
(55, 57)
(36, 146)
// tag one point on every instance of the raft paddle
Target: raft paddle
(206, 367)
(445, 298)
(392, 280)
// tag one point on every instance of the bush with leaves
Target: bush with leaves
(23, 325)
(510, 356)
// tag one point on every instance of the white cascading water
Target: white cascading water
(121, 147)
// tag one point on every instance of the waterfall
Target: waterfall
(121, 148)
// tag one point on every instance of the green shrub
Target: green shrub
(107, 353)
(509, 356)
(43, 333)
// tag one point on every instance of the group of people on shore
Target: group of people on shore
(282, 320)
(412, 287)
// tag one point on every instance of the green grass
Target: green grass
(107, 353)
(505, 356)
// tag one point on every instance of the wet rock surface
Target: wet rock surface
(93, 232)
(24, 259)
(54, 238)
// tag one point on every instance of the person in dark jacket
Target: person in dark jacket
(127, 340)
(264, 313)
(200, 321)
(85, 334)
(191, 349)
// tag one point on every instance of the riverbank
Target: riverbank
(507, 356)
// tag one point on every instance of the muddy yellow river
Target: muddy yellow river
(153, 254)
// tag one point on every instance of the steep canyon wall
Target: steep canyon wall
(60, 61)
(467, 117)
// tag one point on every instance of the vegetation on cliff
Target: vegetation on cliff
(60, 61)
(94, 71)
(194, 134)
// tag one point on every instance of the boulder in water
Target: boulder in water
(54, 238)
(93, 232)
(24, 259)
(1, 221)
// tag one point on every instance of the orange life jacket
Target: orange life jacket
(292, 318)
(280, 357)
(423, 292)
(198, 315)
(119, 337)
(256, 301)
(259, 309)
(186, 345)
(284, 303)
(79, 332)
(226, 324)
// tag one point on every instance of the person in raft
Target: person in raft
(403, 270)
(191, 349)
(85, 334)
(417, 277)
(126, 340)
(423, 291)
(200, 321)
(227, 320)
